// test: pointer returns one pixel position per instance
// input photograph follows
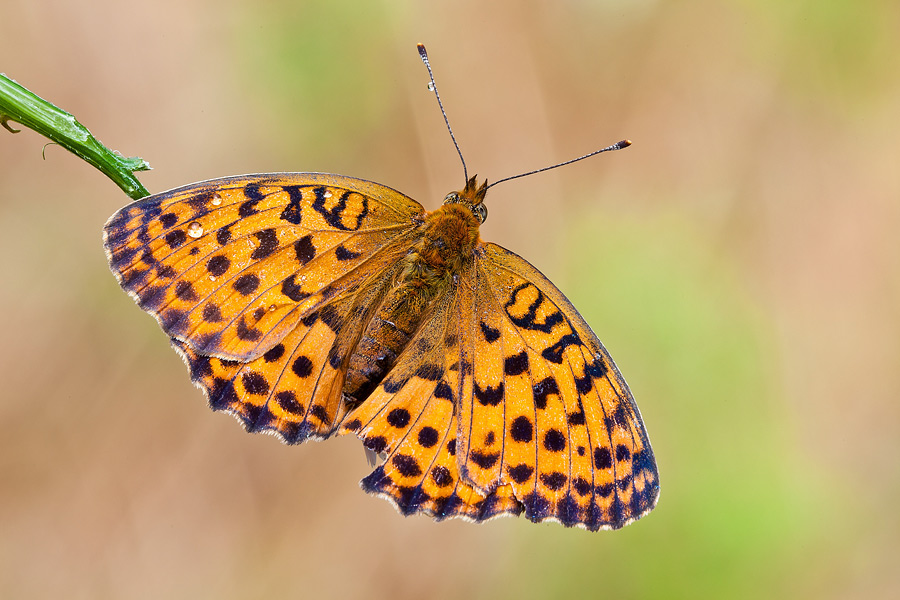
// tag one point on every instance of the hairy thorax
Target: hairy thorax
(448, 241)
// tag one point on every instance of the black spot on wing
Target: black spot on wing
(521, 429)
(218, 265)
(292, 290)
(275, 353)
(604, 490)
(399, 417)
(582, 486)
(184, 290)
(617, 419)
(255, 383)
(287, 400)
(292, 213)
(428, 437)
(334, 358)
(376, 444)
(168, 219)
(151, 296)
(584, 384)
(200, 201)
(489, 396)
(247, 333)
(304, 249)
(554, 440)
(554, 353)
(485, 460)
(343, 253)
(268, 243)
(542, 389)
(516, 364)
(252, 191)
(568, 511)
(576, 418)
(212, 313)
(443, 391)
(490, 334)
(429, 372)
(441, 476)
(123, 256)
(330, 317)
(247, 209)
(597, 368)
(602, 458)
(529, 319)
(643, 461)
(318, 411)
(223, 235)
(392, 386)
(175, 238)
(520, 473)
(135, 278)
(334, 216)
(554, 481)
(408, 466)
(246, 284)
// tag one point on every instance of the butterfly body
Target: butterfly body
(309, 305)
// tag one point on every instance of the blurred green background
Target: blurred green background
(740, 262)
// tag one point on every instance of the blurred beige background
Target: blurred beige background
(740, 261)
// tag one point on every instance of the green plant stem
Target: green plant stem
(24, 107)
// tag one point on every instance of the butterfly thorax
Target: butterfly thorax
(448, 241)
(449, 237)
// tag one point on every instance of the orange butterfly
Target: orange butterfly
(309, 304)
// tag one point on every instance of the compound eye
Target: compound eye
(451, 198)
(480, 211)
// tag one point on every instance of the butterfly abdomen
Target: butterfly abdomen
(384, 338)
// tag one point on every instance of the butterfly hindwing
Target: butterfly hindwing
(231, 266)
(410, 419)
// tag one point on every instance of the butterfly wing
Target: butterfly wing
(265, 284)
(547, 411)
(230, 266)
(503, 402)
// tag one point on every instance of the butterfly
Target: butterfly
(310, 305)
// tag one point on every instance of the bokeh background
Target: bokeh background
(741, 262)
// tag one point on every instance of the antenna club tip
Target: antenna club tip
(623, 144)
(421, 49)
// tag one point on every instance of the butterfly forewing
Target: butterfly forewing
(231, 266)
(571, 441)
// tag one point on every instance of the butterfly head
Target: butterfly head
(471, 196)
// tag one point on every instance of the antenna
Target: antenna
(433, 87)
(616, 146)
